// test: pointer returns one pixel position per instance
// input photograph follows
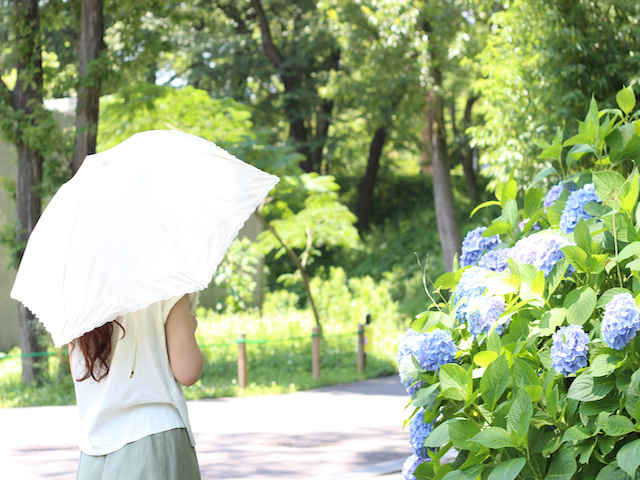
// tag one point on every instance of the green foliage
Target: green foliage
(542, 63)
(236, 276)
(502, 404)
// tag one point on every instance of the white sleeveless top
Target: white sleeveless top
(122, 408)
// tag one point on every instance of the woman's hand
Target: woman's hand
(185, 358)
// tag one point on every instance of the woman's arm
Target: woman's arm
(185, 358)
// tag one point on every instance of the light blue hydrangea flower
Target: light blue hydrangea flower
(471, 284)
(554, 193)
(542, 250)
(433, 349)
(409, 467)
(420, 430)
(406, 368)
(474, 245)
(483, 312)
(621, 321)
(569, 349)
(574, 208)
(495, 260)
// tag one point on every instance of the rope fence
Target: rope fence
(363, 334)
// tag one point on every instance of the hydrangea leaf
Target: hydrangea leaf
(604, 364)
(426, 397)
(462, 431)
(582, 237)
(439, 436)
(507, 470)
(455, 382)
(576, 433)
(469, 474)
(628, 457)
(545, 172)
(630, 191)
(484, 358)
(608, 185)
(563, 465)
(495, 381)
(532, 201)
(580, 304)
(626, 99)
(622, 226)
(610, 472)
(576, 256)
(494, 437)
(616, 425)
(520, 414)
(586, 388)
(632, 396)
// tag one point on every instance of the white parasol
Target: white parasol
(146, 220)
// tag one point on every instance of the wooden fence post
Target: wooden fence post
(242, 361)
(315, 353)
(362, 356)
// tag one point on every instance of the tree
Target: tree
(90, 73)
(25, 125)
(542, 63)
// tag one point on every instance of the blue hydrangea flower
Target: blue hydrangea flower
(574, 208)
(409, 467)
(483, 312)
(474, 245)
(471, 284)
(495, 260)
(542, 250)
(433, 349)
(406, 368)
(420, 430)
(554, 193)
(569, 349)
(621, 321)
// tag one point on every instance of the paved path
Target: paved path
(321, 433)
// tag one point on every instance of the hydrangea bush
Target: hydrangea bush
(526, 363)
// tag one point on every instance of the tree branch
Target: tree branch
(269, 47)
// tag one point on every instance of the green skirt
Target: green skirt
(166, 455)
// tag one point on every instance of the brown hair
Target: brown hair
(96, 349)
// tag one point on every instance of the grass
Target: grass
(279, 363)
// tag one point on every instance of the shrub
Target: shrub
(546, 379)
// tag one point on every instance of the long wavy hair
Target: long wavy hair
(96, 347)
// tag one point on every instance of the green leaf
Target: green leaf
(426, 397)
(608, 186)
(576, 256)
(497, 227)
(495, 381)
(630, 191)
(563, 465)
(532, 201)
(631, 250)
(582, 237)
(611, 472)
(532, 286)
(587, 388)
(510, 213)
(609, 294)
(617, 425)
(448, 280)
(507, 470)
(455, 382)
(575, 433)
(494, 437)
(545, 172)
(580, 304)
(484, 358)
(626, 99)
(462, 432)
(439, 436)
(508, 192)
(632, 396)
(470, 474)
(603, 365)
(520, 414)
(628, 457)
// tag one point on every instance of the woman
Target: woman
(133, 416)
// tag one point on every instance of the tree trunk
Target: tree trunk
(88, 106)
(367, 185)
(467, 153)
(27, 98)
